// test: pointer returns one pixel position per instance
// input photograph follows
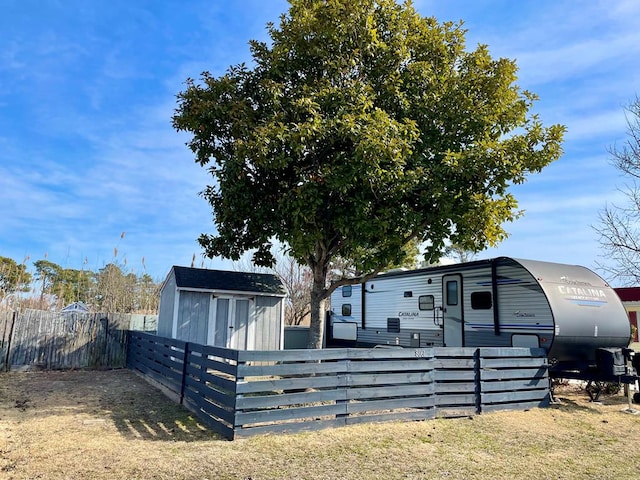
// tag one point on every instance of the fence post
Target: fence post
(478, 378)
(7, 357)
(183, 381)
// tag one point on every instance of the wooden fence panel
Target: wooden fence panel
(456, 386)
(313, 387)
(210, 386)
(159, 359)
(244, 393)
(35, 339)
(515, 378)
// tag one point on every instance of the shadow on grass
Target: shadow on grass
(569, 405)
(136, 409)
(155, 417)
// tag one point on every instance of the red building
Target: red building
(630, 297)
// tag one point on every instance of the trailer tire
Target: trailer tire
(636, 397)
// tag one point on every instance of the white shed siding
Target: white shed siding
(268, 317)
(165, 313)
(193, 316)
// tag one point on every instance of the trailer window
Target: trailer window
(452, 292)
(346, 309)
(481, 300)
(426, 302)
(346, 291)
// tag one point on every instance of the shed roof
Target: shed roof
(75, 307)
(206, 279)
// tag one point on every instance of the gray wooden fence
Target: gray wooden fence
(243, 393)
(35, 339)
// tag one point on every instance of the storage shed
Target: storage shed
(239, 310)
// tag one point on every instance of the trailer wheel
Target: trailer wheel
(636, 397)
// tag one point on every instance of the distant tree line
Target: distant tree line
(50, 286)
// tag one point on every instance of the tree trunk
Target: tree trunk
(318, 301)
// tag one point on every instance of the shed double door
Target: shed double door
(229, 323)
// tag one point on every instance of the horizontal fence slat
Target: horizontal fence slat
(162, 369)
(331, 354)
(454, 387)
(344, 366)
(454, 352)
(215, 424)
(199, 403)
(508, 374)
(390, 404)
(245, 370)
(293, 413)
(512, 362)
(287, 399)
(468, 375)
(515, 406)
(510, 397)
(486, 352)
(199, 388)
(357, 379)
(455, 399)
(514, 385)
(453, 411)
(212, 364)
(291, 427)
(279, 385)
(413, 415)
(453, 363)
(395, 391)
(227, 384)
(209, 350)
(160, 379)
(417, 364)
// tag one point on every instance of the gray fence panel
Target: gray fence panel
(257, 392)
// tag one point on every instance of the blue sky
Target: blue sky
(87, 90)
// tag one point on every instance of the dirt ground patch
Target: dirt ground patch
(112, 425)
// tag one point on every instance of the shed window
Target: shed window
(346, 291)
(481, 300)
(426, 302)
(346, 309)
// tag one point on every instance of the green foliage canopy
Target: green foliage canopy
(13, 277)
(361, 126)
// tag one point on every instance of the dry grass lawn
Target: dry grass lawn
(113, 425)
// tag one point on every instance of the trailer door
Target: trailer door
(452, 310)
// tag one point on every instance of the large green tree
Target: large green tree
(49, 275)
(361, 126)
(13, 277)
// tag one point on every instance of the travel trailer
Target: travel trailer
(567, 310)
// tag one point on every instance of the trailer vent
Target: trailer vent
(393, 325)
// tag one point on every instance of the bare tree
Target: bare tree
(619, 225)
(459, 253)
(297, 280)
